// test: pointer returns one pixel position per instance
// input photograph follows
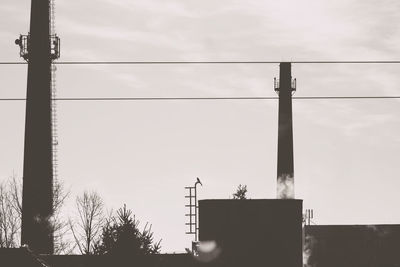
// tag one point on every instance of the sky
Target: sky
(143, 153)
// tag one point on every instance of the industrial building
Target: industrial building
(352, 245)
(253, 232)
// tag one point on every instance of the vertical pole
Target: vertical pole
(285, 172)
(37, 200)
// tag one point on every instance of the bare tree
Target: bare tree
(15, 189)
(60, 224)
(12, 195)
(89, 223)
(10, 220)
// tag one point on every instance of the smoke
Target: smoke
(309, 244)
(379, 231)
(45, 222)
(285, 186)
(208, 251)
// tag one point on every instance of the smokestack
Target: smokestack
(37, 199)
(285, 87)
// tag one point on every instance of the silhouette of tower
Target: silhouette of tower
(285, 86)
(39, 48)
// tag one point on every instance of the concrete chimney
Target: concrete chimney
(37, 199)
(285, 173)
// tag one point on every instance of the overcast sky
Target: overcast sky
(144, 153)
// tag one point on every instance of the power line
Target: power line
(203, 98)
(346, 97)
(210, 62)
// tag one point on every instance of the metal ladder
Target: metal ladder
(53, 98)
(52, 17)
(54, 120)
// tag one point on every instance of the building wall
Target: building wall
(158, 260)
(352, 245)
(258, 232)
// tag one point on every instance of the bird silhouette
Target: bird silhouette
(198, 181)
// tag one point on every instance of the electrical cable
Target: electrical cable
(210, 62)
(203, 98)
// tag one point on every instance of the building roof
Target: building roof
(20, 257)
